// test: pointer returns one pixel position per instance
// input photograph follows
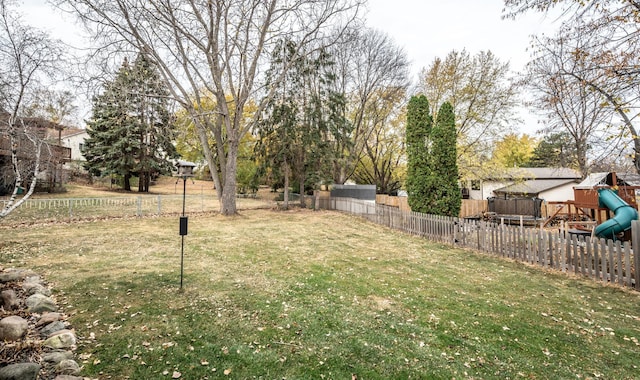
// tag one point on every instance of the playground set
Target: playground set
(605, 205)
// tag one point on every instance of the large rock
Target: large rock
(39, 303)
(61, 339)
(47, 318)
(9, 299)
(34, 287)
(68, 367)
(20, 371)
(11, 275)
(52, 328)
(56, 357)
(12, 328)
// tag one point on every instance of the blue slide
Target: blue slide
(624, 214)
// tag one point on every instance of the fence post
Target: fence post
(635, 238)
(70, 209)
(159, 204)
(139, 206)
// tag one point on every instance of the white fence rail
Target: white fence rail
(80, 208)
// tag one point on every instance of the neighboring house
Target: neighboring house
(550, 184)
(74, 139)
(51, 159)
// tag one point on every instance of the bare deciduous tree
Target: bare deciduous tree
(368, 63)
(563, 84)
(605, 35)
(484, 95)
(27, 57)
(217, 47)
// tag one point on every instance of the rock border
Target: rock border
(37, 341)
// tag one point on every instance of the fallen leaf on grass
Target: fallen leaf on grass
(227, 371)
(176, 375)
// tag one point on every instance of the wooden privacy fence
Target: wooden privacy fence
(468, 207)
(599, 259)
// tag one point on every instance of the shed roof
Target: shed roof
(605, 179)
(533, 187)
(538, 173)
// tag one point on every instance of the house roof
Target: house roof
(33, 122)
(533, 187)
(68, 132)
(538, 173)
(606, 179)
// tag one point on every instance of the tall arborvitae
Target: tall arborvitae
(418, 132)
(131, 129)
(445, 196)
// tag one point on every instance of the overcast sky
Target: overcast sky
(426, 29)
(432, 28)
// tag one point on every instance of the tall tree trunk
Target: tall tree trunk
(127, 182)
(228, 199)
(303, 203)
(286, 185)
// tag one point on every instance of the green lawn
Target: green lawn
(318, 295)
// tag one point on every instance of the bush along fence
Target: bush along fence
(599, 259)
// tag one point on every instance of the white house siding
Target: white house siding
(75, 142)
(489, 186)
(559, 194)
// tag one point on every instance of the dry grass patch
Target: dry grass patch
(303, 294)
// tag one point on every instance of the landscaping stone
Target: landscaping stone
(9, 299)
(38, 303)
(56, 357)
(68, 377)
(68, 367)
(20, 371)
(33, 278)
(52, 328)
(13, 328)
(47, 318)
(34, 287)
(61, 339)
(35, 312)
(15, 275)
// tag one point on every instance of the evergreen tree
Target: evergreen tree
(444, 197)
(131, 129)
(555, 150)
(419, 124)
(304, 127)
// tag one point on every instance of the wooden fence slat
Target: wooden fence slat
(635, 228)
(610, 261)
(619, 264)
(598, 259)
(589, 258)
(627, 264)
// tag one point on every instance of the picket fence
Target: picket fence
(599, 259)
(78, 208)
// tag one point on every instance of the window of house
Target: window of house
(475, 185)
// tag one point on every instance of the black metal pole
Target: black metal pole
(184, 195)
(184, 192)
(181, 262)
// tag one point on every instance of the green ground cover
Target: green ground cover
(317, 295)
